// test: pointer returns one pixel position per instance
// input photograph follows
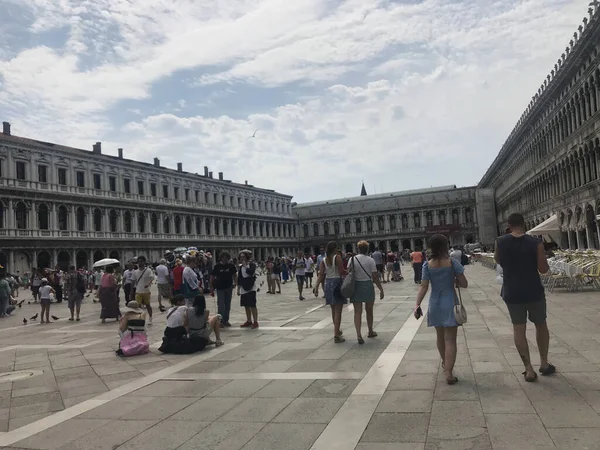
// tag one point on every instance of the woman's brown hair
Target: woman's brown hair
(363, 247)
(438, 245)
(331, 251)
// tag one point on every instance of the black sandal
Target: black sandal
(451, 382)
(548, 370)
(530, 380)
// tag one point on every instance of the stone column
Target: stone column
(579, 242)
(72, 222)
(54, 261)
(588, 237)
(221, 231)
(386, 222)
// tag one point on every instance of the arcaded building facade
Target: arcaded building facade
(392, 221)
(62, 205)
(550, 163)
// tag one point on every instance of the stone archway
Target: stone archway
(348, 248)
(63, 260)
(44, 260)
(418, 244)
(98, 255)
(372, 247)
(114, 254)
(394, 245)
(22, 263)
(469, 239)
(406, 244)
(81, 260)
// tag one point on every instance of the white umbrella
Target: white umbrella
(106, 262)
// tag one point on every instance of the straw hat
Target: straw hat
(133, 306)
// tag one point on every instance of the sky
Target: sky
(403, 94)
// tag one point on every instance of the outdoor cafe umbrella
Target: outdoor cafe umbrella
(106, 262)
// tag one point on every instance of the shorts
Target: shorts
(390, 267)
(275, 276)
(164, 290)
(35, 290)
(519, 311)
(379, 267)
(45, 301)
(142, 298)
(300, 279)
(308, 275)
(75, 300)
(248, 300)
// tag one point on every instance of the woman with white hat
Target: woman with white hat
(132, 325)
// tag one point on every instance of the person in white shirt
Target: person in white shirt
(308, 275)
(163, 282)
(299, 267)
(142, 280)
(127, 282)
(456, 255)
(366, 274)
(190, 286)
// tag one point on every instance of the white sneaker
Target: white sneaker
(219, 342)
(150, 320)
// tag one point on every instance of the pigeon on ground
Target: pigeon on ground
(34, 317)
(54, 318)
(20, 303)
(24, 321)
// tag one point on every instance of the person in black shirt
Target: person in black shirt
(223, 279)
(522, 258)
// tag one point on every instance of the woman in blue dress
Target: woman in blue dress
(442, 273)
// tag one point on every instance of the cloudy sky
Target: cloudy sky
(404, 94)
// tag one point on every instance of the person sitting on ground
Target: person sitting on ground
(200, 325)
(175, 338)
(132, 331)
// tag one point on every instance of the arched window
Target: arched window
(63, 218)
(455, 217)
(417, 219)
(358, 225)
(188, 225)
(225, 227)
(198, 225)
(369, 224)
(241, 227)
(380, 223)
(112, 218)
(315, 229)
(442, 217)
(154, 223)
(127, 222)
(468, 216)
(393, 222)
(326, 228)
(347, 226)
(207, 227)
(141, 222)
(80, 216)
(167, 225)
(336, 227)
(404, 221)
(43, 217)
(248, 228)
(21, 216)
(305, 229)
(254, 228)
(97, 220)
(177, 225)
(429, 218)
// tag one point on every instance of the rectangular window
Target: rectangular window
(223, 199)
(43, 174)
(165, 191)
(187, 195)
(153, 189)
(80, 179)
(62, 177)
(206, 197)
(20, 170)
(231, 201)
(127, 185)
(97, 181)
(140, 187)
(215, 199)
(246, 203)
(112, 184)
(239, 202)
(176, 193)
(197, 194)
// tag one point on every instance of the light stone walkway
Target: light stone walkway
(288, 386)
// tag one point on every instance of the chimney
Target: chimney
(246, 182)
(179, 167)
(156, 162)
(209, 174)
(97, 148)
(120, 150)
(6, 128)
(221, 176)
(206, 171)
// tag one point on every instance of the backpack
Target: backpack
(464, 259)
(247, 283)
(80, 284)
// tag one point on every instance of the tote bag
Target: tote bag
(134, 344)
(460, 313)
(349, 283)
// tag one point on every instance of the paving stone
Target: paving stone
(223, 436)
(121, 407)
(412, 367)
(396, 427)
(83, 390)
(239, 388)
(391, 446)
(310, 410)
(405, 401)
(563, 412)
(314, 365)
(207, 409)
(160, 408)
(575, 438)
(412, 382)
(109, 436)
(22, 421)
(457, 414)
(37, 408)
(166, 435)
(284, 388)
(330, 388)
(241, 366)
(64, 433)
(503, 401)
(257, 409)
(276, 436)
(463, 438)
(516, 431)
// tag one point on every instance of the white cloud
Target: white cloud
(437, 84)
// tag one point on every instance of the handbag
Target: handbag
(349, 284)
(460, 313)
(134, 344)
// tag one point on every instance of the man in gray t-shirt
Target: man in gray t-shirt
(378, 258)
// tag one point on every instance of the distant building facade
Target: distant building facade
(61, 205)
(550, 163)
(392, 221)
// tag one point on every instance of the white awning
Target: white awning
(547, 227)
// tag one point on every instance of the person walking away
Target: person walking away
(285, 271)
(308, 275)
(442, 272)
(222, 280)
(277, 275)
(320, 259)
(417, 263)
(299, 268)
(5, 295)
(331, 271)
(57, 279)
(269, 270)
(45, 292)
(456, 255)
(366, 274)
(522, 258)
(389, 267)
(190, 285)
(397, 271)
(107, 293)
(128, 283)
(74, 290)
(177, 276)
(97, 279)
(36, 283)
(141, 281)
(246, 289)
(378, 258)
(164, 283)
